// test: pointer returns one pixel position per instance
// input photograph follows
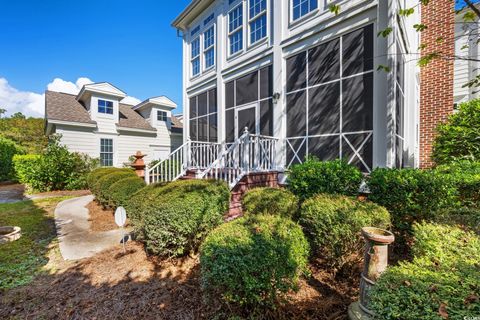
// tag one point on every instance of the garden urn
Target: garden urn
(139, 164)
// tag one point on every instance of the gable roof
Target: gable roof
(161, 101)
(193, 10)
(65, 107)
(177, 125)
(105, 88)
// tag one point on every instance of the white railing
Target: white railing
(170, 169)
(249, 153)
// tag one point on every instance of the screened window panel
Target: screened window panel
(365, 152)
(324, 63)
(212, 101)
(246, 119)
(358, 103)
(203, 129)
(296, 72)
(230, 125)
(324, 109)
(399, 112)
(399, 153)
(266, 117)
(212, 128)
(193, 130)
(324, 148)
(230, 94)
(358, 51)
(296, 111)
(202, 104)
(193, 107)
(298, 153)
(266, 82)
(247, 89)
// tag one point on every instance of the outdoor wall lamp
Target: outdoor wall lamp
(276, 97)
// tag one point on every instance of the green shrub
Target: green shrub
(173, 219)
(271, 201)
(101, 189)
(121, 191)
(458, 138)
(55, 169)
(464, 217)
(333, 225)
(253, 260)
(334, 177)
(97, 173)
(410, 194)
(443, 275)
(466, 177)
(8, 149)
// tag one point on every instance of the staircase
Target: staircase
(247, 163)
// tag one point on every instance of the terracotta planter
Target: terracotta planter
(8, 234)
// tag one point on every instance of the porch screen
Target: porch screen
(203, 116)
(330, 100)
(255, 87)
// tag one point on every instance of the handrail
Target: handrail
(171, 168)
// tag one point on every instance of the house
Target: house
(466, 46)
(268, 83)
(95, 122)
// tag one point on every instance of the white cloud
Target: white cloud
(131, 100)
(29, 103)
(32, 104)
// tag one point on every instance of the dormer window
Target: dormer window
(161, 115)
(105, 107)
(301, 8)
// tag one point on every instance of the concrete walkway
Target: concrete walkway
(73, 229)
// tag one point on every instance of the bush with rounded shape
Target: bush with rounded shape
(97, 173)
(464, 217)
(253, 260)
(411, 195)
(465, 175)
(442, 276)
(101, 189)
(333, 177)
(457, 139)
(121, 191)
(173, 219)
(27, 167)
(333, 225)
(273, 201)
(8, 149)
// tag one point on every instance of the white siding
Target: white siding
(129, 144)
(79, 139)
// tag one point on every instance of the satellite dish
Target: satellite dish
(120, 216)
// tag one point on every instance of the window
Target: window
(303, 7)
(106, 152)
(209, 47)
(235, 29)
(400, 158)
(161, 115)
(105, 107)
(203, 116)
(195, 56)
(330, 101)
(257, 20)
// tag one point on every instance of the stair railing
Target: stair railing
(171, 168)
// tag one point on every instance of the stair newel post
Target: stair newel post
(186, 151)
(246, 153)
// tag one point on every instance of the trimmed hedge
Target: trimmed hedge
(172, 219)
(465, 218)
(121, 191)
(333, 225)
(97, 173)
(411, 195)
(271, 201)
(333, 177)
(8, 149)
(444, 275)
(253, 260)
(458, 138)
(101, 189)
(465, 175)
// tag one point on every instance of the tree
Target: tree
(26, 132)
(2, 112)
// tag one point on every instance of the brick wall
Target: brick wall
(436, 81)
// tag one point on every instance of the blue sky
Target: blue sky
(128, 43)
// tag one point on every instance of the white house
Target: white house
(96, 123)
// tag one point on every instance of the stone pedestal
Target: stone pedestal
(375, 263)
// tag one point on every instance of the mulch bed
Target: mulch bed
(114, 285)
(101, 219)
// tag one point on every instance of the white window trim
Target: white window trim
(164, 114)
(214, 46)
(109, 115)
(306, 16)
(253, 19)
(114, 144)
(240, 27)
(193, 58)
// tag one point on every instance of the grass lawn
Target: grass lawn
(22, 260)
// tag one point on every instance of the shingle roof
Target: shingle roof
(131, 119)
(177, 125)
(64, 107)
